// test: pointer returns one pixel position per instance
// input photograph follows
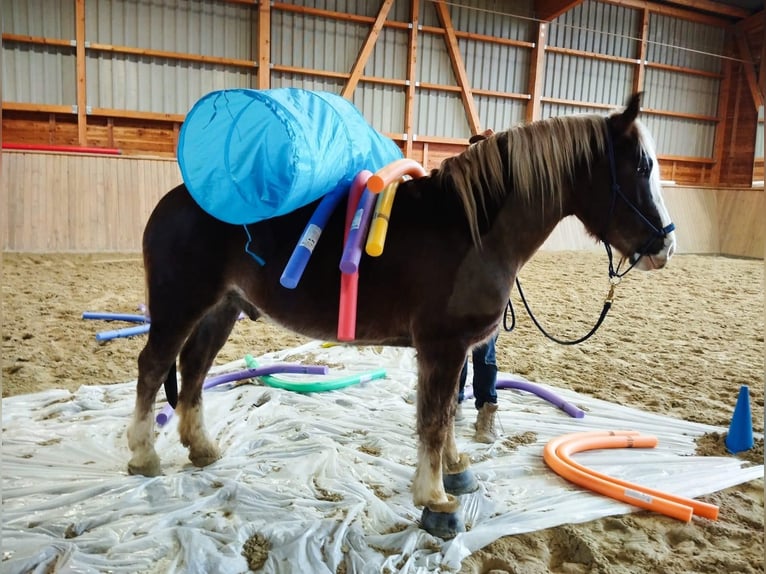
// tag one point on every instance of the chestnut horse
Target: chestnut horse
(457, 239)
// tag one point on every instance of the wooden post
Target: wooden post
(537, 75)
(638, 77)
(457, 65)
(721, 129)
(412, 55)
(264, 45)
(82, 95)
(366, 50)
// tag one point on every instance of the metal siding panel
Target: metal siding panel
(683, 43)
(440, 114)
(496, 67)
(23, 17)
(598, 28)
(683, 93)
(39, 75)
(389, 57)
(436, 67)
(382, 107)
(680, 136)
(500, 113)
(286, 80)
(587, 80)
(759, 135)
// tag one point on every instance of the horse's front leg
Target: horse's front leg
(437, 452)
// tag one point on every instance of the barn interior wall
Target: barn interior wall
(83, 203)
(595, 54)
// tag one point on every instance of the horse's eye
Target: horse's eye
(644, 166)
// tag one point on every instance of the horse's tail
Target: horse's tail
(171, 386)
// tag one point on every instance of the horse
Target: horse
(457, 238)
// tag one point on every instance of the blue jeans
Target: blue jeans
(484, 374)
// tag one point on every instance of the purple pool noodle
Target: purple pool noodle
(352, 252)
(126, 332)
(543, 393)
(167, 411)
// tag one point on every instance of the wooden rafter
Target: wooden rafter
(713, 7)
(457, 66)
(412, 58)
(537, 74)
(82, 94)
(720, 131)
(748, 65)
(366, 49)
(550, 9)
(264, 45)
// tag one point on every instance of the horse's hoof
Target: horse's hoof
(442, 524)
(204, 457)
(460, 482)
(149, 466)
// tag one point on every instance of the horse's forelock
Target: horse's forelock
(540, 162)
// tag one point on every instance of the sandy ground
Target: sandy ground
(679, 342)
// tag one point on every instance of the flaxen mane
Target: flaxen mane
(541, 160)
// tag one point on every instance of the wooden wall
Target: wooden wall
(73, 202)
(59, 202)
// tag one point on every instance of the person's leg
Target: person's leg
(461, 392)
(485, 373)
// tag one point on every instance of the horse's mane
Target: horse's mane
(540, 161)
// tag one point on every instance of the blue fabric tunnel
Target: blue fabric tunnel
(249, 155)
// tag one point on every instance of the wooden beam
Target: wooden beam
(762, 72)
(643, 34)
(24, 39)
(713, 7)
(82, 94)
(180, 56)
(366, 50)
(264, 45)
(457, 66)
(667, 10)
(537, 74)
(550, 9)
(412, 60)
(749, 65)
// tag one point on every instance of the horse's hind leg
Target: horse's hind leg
(154, 364)
(197, 355)
(438, 370)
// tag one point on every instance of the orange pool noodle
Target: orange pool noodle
(606, 487)
(582, 444)
(392, 172)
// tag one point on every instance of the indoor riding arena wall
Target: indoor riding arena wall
(88, 203)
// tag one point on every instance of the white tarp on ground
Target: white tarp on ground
(324, 477)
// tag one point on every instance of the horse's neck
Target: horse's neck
(521, 227)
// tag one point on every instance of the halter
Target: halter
(615, 276)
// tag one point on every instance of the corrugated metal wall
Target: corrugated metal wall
(759, 135)
(46, 75)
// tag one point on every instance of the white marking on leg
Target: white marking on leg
(191, 428)
(144, 459)
(427, 487)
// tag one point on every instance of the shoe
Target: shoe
(459, 416)
(485, 424)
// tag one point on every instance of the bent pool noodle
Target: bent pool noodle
(316, 386)
(311, 234)
(130, 318)
(582, 442)
(543, 393)
(349, 282)
(393, 171)
(607, 487)
(167, 411)
(357, 233)
(126, 332)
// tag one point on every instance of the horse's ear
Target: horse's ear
(623, 121)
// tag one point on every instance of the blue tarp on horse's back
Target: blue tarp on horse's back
(248, 155)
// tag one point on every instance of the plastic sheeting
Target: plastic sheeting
(324, 476)
(248, 155)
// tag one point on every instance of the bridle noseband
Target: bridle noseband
(615, 275)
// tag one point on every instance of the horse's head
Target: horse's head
(631, 214)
